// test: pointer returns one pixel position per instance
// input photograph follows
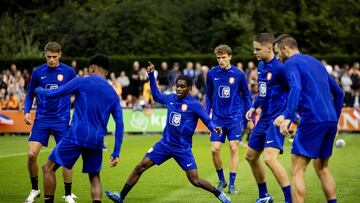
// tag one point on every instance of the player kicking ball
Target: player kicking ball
(182, 116)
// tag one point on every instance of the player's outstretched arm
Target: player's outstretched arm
(66, 89)
(157, 96)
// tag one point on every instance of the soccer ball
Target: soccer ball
(340, 143)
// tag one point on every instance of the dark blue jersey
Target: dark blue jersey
(182, 117)
(227, 94)
(313, 92)
(50, 78)
(95, 99)
(273, 88)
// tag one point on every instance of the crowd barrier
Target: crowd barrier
(150, 120)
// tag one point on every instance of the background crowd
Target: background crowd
(134, 89)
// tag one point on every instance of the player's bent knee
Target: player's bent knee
(32, 157)
(249, 157)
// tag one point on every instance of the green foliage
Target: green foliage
(149, 27)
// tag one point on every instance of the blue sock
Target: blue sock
(287, 194)
(220, 173)
(332, 201)
(232, 178)
(262, 190)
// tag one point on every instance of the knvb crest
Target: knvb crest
(224, 91)
(175, 119)
(262, 89)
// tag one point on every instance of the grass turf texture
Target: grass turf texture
(168, 183)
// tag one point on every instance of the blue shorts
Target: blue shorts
(42, 129)
(314, 140)
(264, 135)
(233, 131)
(66, 154)
(161, 152)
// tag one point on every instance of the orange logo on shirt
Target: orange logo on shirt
(231, 80)
(60, 77)
(269, 76)
(184, 107)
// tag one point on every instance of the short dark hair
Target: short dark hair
(264, 38)
(52, 47)
(223, 49)
(286, 40)
(188, 80)
(100, 60)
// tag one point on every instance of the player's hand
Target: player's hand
(113, 161)
(249, 126)
(150, 67)
(27, 119)
(284, 127)
(218, 130)
(249, 113)
(278, 121)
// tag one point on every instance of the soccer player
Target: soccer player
(52, 115)
(182, 116)
(228, 97)
(266, 137)
(95, 99)
(318, 99)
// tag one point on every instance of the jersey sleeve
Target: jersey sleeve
(29, 99)
(201, 113)
(209, 93)
(294, 83)
(338, 95)
(70, 87)
(119, 129)
(256, 103)
(243, 87)
(157, 96)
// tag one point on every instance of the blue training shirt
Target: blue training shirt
(50, 78)
(273, 88)
(313, 92)
(227, 94)
(95, 99)
(182, 117)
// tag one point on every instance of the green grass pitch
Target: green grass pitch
(168, 183)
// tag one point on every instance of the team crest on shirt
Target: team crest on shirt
(231, 80)
(175, 119)
(60, 77)
(184, 107)
(269, 76)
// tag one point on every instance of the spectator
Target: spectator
(240, 66)
(189, 70)
(197, 70)
(174, 73)
(346, 83)
(124, 82)
(135, 80)
(163, 74)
